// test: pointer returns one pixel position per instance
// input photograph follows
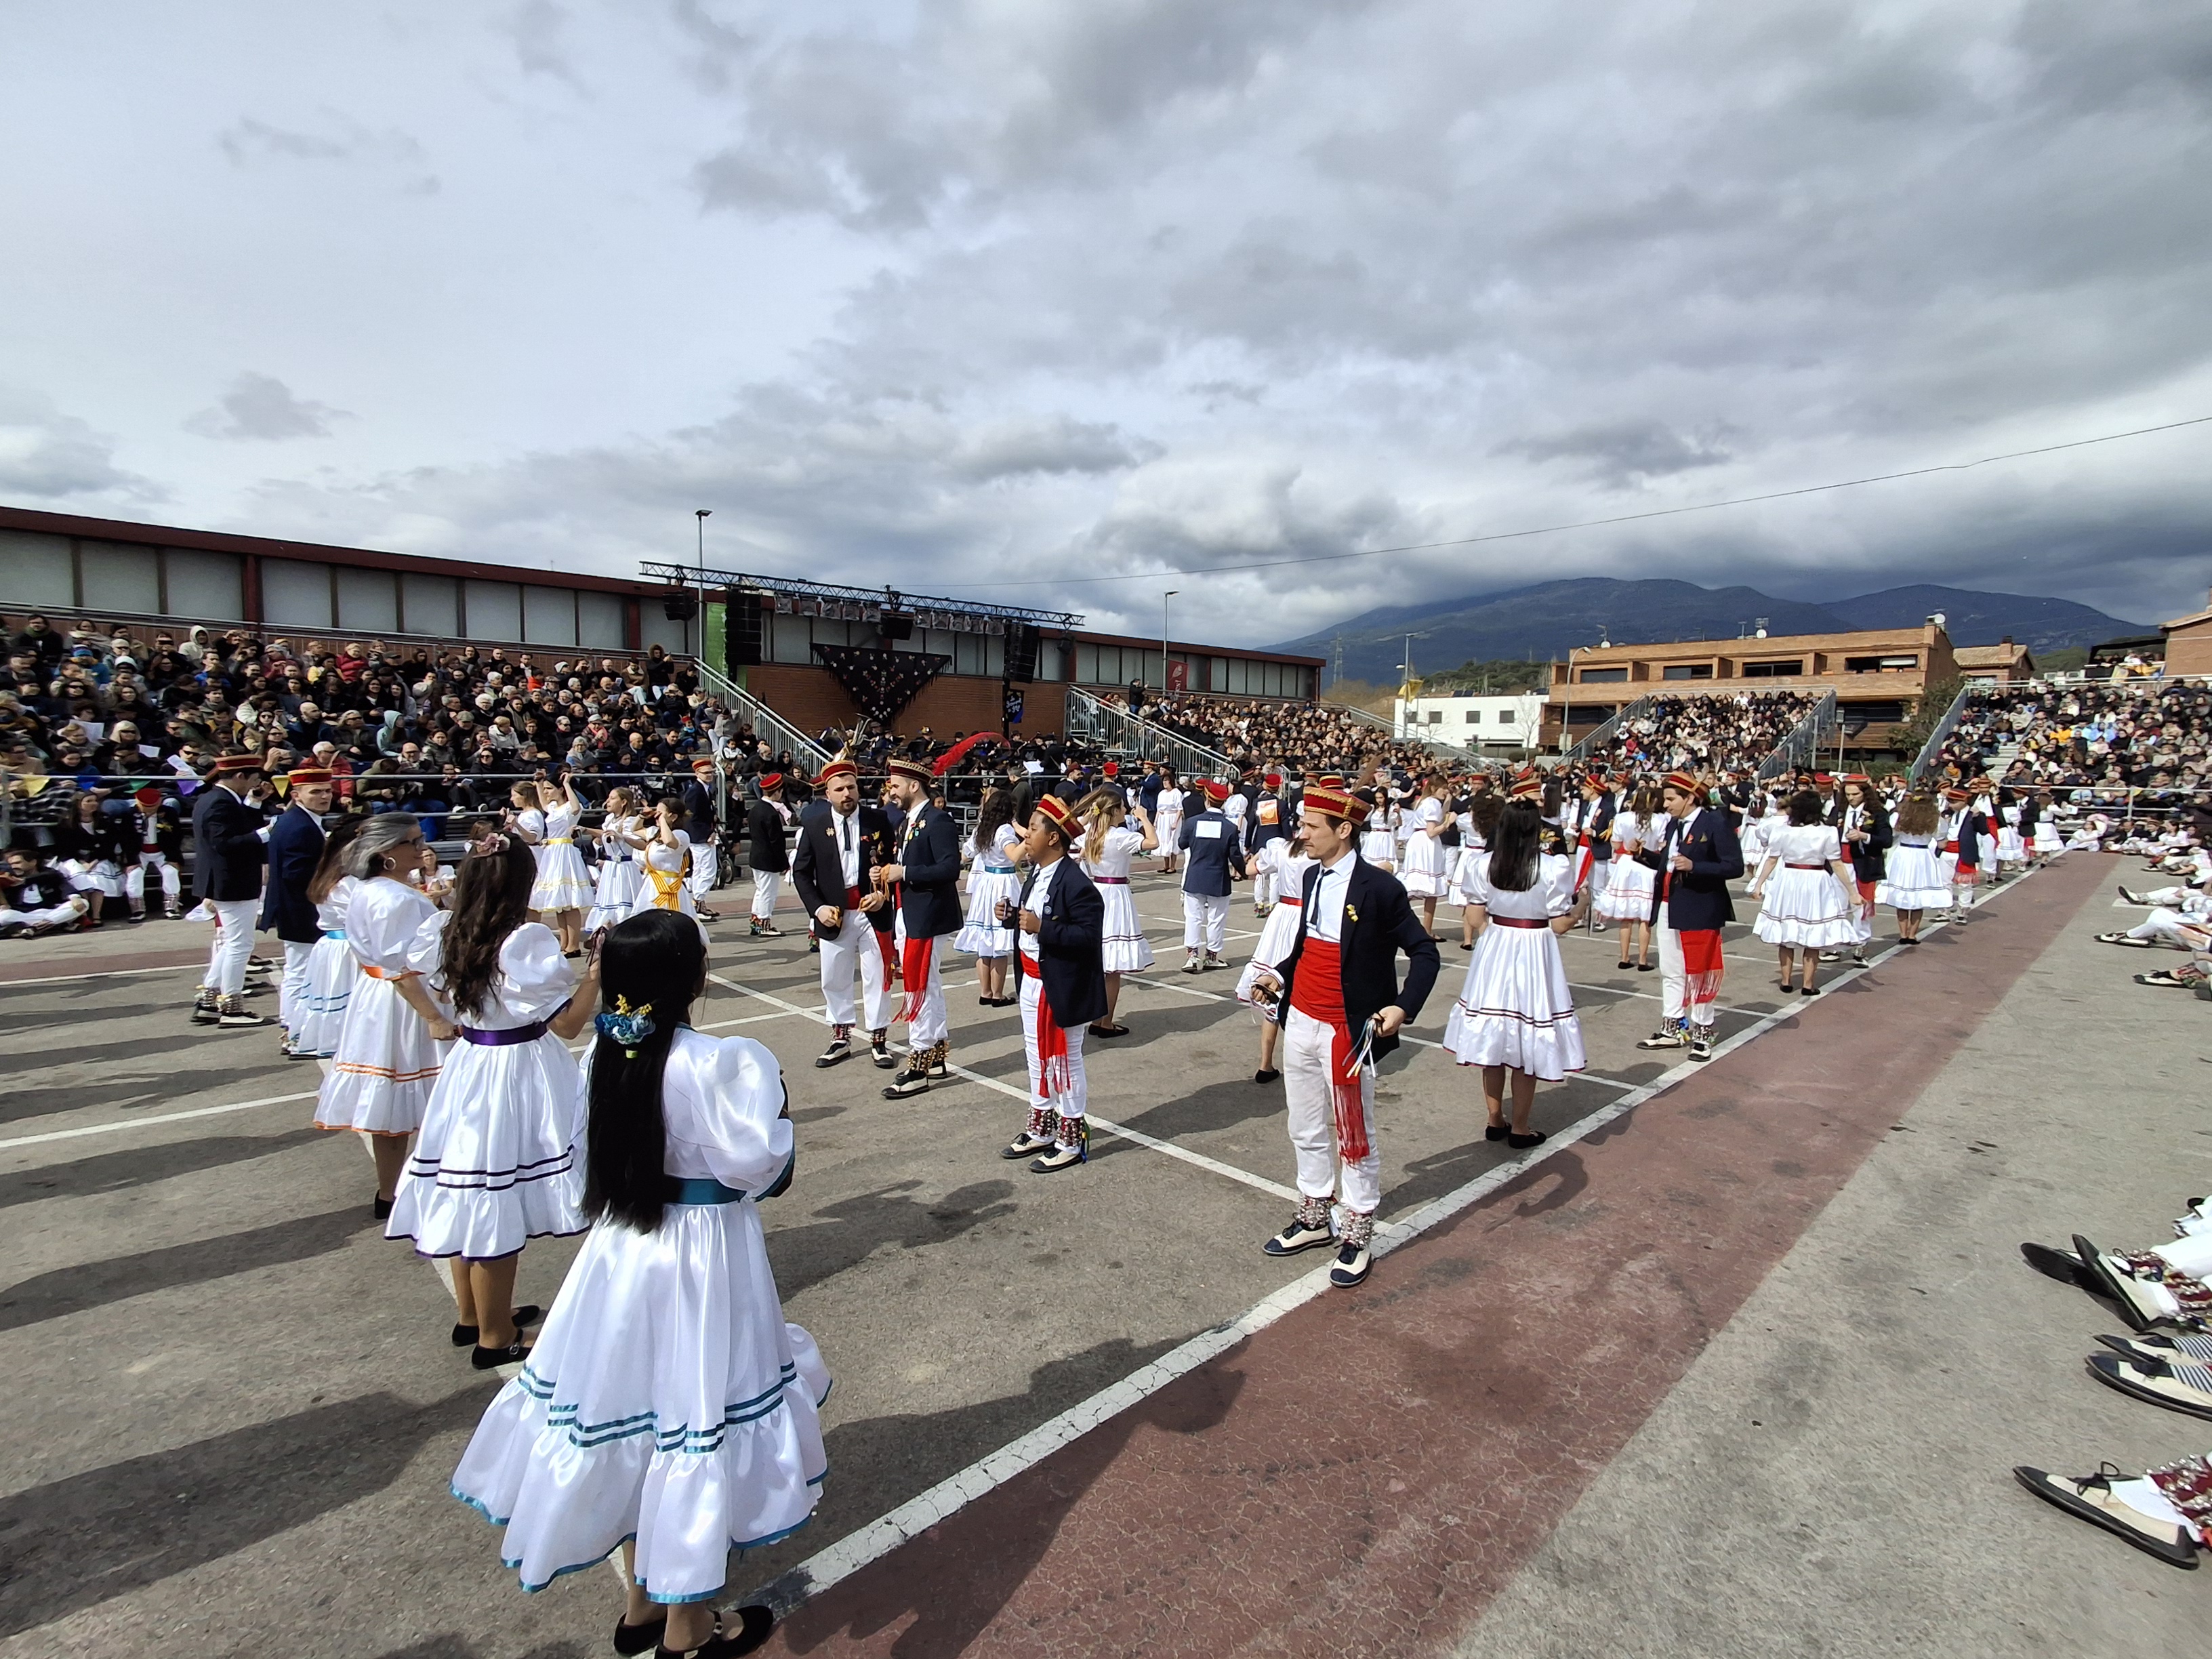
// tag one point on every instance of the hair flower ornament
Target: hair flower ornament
(627, 1025)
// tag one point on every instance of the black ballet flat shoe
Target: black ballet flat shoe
(639, 1639)
(1623, 964)
(465, 1336)
(1645, 967)
(487, 1359)
(754, 1626)
(1522, 1142)
(1267, 1074)
(380, 1209)
(1495, 1131)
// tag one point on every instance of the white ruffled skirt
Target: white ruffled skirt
(1807, 907)
(1276, 936)
(496, 1164)
(1912, 879)
(1127, 949)
(615, 894)
(386, 1066)
(1423, 871)
(1515, 1007)
(562, 882)
(981, 936)
(2048, 840)
(318, 1012)
(1626, 895)
(2011, 849)
(666, 1400)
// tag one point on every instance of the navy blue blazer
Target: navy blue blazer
(1378, 923)
(1211, 860)
(817, 869)
(227, 850)
(1071, 945)
(1698, 897)
(929, 848)
(295, 847)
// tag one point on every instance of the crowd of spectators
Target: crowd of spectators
(2139, 735)
(1268, 732)
(1736, 729)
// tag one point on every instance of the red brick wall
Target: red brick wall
(810, 698)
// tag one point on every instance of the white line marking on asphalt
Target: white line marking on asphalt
(105, 972)
(880, 1537)
(146, 1122)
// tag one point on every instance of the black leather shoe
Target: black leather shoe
(465, 1336)
(1522, 1142)
(639, 1639)
(380, 1209)
(486, 1359)
(1495, 1131)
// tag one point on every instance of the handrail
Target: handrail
(1944, 727)
(1803, 745)
(781, 733)
(1095, 721)
(1602, 735)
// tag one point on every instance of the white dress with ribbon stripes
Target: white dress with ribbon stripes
(562, 882)
(616, 890)
(1515, 1007)
(1803, 903)
(1127, 949)
(667, 1400)
(381, 1079)
(1423, 871)
(1281, 926)
(1626, 895)
(497, 1164)
(318, 1012)
(995, 878)
(1912, 879)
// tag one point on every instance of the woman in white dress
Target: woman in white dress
(616, 890)
(1426, 855)
(563, 889)
(1167, 820)
(667, 1407)
(1277, 934)
(1378, 843)
(663, 859)
(387, 1058)
(1476, 826)
(1807, 892)
(1516, 1012)
(2012, 847)
(1913, 882)
(996, 876)
(1627, 895)
(318, 1012)
(1109, 846)
(494, 1164)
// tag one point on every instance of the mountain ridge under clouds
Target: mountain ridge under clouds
(1543, 620)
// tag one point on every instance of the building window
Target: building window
(549, 615)
(295, 594)
(117, 577)
(1878, 664)
(1774, 670)
(494, 609)
(599, 621)
(430, 604)
(368, 600)
(36, 570)
(1602, 676)
(210, 585)
(1686, 670)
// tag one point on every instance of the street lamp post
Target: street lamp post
(701, 514)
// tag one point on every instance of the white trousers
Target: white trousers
(2167, 925)
(134, 879)
(930, 1025)
(1322, 1173)
(706, 865)
(767, 886)
(1673, 977)
(68, 911)
(290, 1008)
(234, 944)
(1205, 921)
(1072, 1103)
(1600, 873)
(856, 946)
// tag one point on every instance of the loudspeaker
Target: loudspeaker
(1022, 653)
(681, 606)
(896, 625)
(742, 632)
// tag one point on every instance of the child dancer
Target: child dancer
(1627, 895)
(318, 1012)
(562, 891)
(1109, 846)
(1914, 883)
(1807, 894)
(994, 876)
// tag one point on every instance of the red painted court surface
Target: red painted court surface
(1384, 1461)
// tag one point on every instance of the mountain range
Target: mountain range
(1541, 621)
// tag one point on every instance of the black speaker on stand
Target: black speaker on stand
(895, 625)
(1022, 639)
(744, 631)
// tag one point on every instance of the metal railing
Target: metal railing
(1934, 747)
(780, 733)
(1802, 746)
(1091, 719)
(1605, 734)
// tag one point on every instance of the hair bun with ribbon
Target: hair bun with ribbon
(627, 1025)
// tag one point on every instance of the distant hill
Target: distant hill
(1543, 621)
(1972, 618)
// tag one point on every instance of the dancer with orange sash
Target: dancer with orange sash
(927, 882)
(1337, 998)
(1695, 859)
(1059, 962)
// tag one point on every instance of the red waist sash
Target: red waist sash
(1519, 921)
(1317, 992)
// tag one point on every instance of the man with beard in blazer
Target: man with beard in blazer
(1060, 960)
(834, 871)
(1341, 1008)
(926, 876)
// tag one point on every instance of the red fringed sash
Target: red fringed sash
(916, 958)
(1056, 1071)
(1582, 863)
(1701, 964)
(1317, 992)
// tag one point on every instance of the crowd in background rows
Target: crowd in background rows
(1264, 732)
(1722, 728)
(2138, 735)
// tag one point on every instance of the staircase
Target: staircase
(1131, 737)
(780, 732)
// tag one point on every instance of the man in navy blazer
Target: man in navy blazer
(840, 849)
(927, 878)
(295, 847)
(1213, 854)
(1696, 860)
(1341, 1008)
(227, 857)
(1060, 961)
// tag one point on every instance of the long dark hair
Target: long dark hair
(491, 899)
(657, 961)
(1514, 846)
(331, 869)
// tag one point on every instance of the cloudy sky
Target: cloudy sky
(985, 295)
